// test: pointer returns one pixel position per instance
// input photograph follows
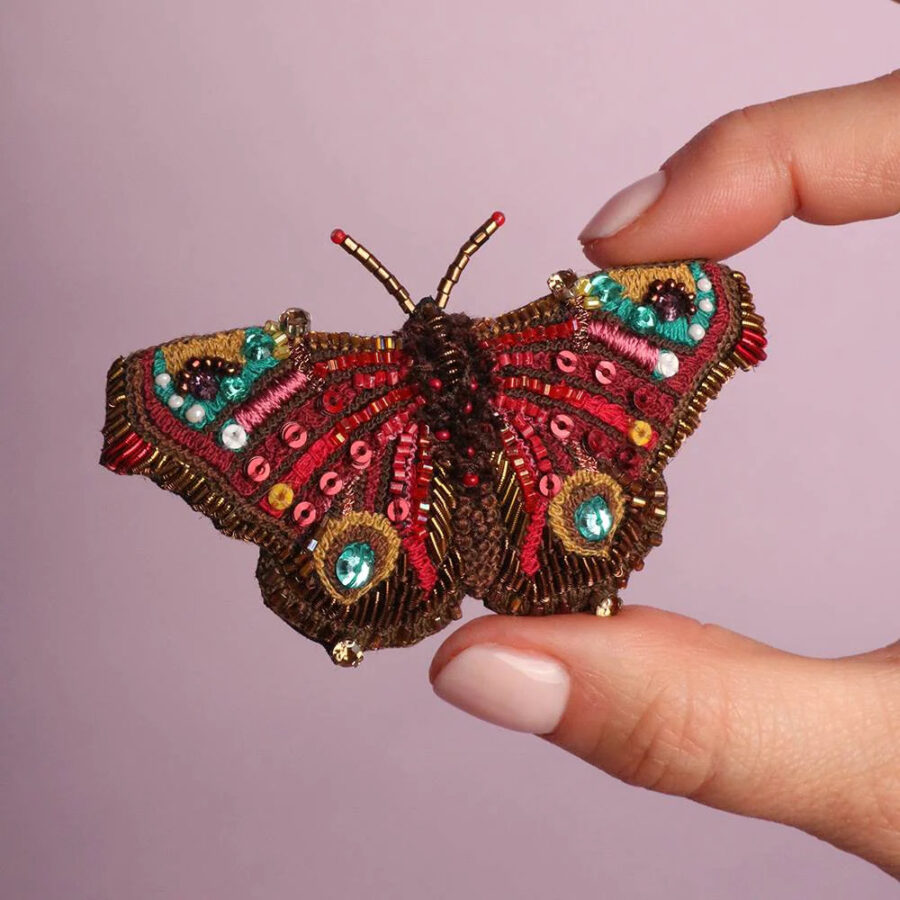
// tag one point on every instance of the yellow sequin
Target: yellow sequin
(640, 433)
(281, 496)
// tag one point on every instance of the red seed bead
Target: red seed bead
(498, 217)
(473, 384)
(468, 408)
(435, 384)
(470, 452)
(470, 479)
(332, 402)
(442, 434)
(338, 236)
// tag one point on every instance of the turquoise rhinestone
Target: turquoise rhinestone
(355, 566)
(643, 319)
(593, 519)
(258, 346)
(232, 388)
(604, 286)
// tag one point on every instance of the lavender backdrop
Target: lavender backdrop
(174, 167)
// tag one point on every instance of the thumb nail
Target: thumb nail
(623, 208)
(511, 688)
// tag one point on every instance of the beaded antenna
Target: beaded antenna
(518, 459)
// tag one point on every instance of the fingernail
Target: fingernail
(511, 688)
(623, 208)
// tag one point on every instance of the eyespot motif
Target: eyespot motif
(586, 512)
(355, 553)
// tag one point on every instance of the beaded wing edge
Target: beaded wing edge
(517, 459)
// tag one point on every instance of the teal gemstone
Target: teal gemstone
(232, 388)
(258, 346)
(643, 319)
(355, 565)
(593, 519)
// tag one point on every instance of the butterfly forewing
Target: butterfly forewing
(595, 391)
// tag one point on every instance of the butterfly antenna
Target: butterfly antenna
(465, 254)
(391, 285)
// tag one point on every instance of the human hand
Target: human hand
(663, 701)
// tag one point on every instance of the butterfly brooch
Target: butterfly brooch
(518, 460)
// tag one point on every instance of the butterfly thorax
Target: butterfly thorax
(454, 374)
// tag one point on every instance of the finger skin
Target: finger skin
(826, 157)
(663, 702)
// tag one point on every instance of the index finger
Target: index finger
(827, 157)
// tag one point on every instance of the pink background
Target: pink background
(176, 167)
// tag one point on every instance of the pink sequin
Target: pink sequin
(304, 513)
(360, 454)
(330, 484)
(294, 435)
(566, 361)
(605, 371)
(258, 468)
(398, 510)
(549, 485)
(561, 426)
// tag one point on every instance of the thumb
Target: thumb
(666, 703)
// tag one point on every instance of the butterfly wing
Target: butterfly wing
(310, 447)
(596, 390)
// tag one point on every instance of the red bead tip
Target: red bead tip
(338, 236)
(498, 217)
(470, 479)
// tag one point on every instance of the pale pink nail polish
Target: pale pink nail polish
(511, 688)
(623, 208)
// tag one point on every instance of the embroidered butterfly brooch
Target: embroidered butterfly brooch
(518, 460)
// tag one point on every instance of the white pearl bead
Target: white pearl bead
(176, 401)
(705, 305)
(704, 284)
(195, 413)
(696, 332)
(667, 364)
(234, 437)
(164, 379)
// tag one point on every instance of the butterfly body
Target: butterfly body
(518, 459)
